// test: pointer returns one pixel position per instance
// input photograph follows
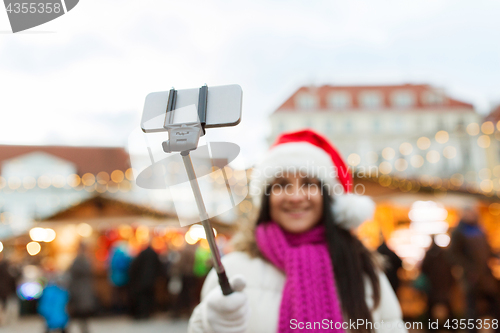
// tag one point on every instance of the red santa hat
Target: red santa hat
(307, 153)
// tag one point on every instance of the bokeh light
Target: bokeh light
(29, 291)
(246, 206)
(14, 183)
(483, 141)
(433, 156)
(401, 164)
(125, 231)
(37, 234)
(102, 177)
(388, 153)
(423, 143)
(117, 176)
(33, 248)
(442, 137)
(385, 168)
(129, 174)
(42, 234)
(442, 240)
(494, 208)
(197, 232)
(73, 180)
(484, 173)
(58, 181)
(417, 161)
(488, 128)
(405, 148)
(142, 234)
(353, 159)
(472, 129)
(84, 229)
(88, 179)
(50, 235)
(457, 179)
(29, 182)
(449, 152)
(486, 185)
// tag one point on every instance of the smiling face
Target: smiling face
(296, 203)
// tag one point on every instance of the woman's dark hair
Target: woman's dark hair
(351, 261)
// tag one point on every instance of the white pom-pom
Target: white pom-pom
(351, 210)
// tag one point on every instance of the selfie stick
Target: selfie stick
(183, 138)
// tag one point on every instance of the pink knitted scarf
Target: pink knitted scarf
(309, 294)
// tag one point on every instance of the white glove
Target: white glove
(227, 314)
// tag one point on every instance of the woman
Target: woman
(82, 301)
(302, 267)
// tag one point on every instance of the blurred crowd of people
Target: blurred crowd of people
(465, 261)
(8, 299)
(463, 265)
(133, 280)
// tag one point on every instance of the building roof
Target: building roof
(100, 207)
(494, 115)
(86, 159)
(386, 91)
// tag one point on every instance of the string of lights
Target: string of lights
(119, 180)
(458, 181)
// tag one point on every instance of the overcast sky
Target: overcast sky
(82, 78)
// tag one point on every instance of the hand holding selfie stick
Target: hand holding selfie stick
(183, 138)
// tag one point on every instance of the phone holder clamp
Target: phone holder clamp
(185, 136)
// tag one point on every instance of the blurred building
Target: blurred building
(38, 181)
(491, 128)
(408, 130)
(54, 197)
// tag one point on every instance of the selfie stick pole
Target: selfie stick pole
(184, 138)
(219, 268)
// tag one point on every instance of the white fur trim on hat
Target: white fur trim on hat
(351, 210)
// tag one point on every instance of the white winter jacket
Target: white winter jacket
(264, 290)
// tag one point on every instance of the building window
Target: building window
(398, 124)
(281, 127)
(376, 125)
(306, 101)
(440, 124)
(371, 99)
(418, 123)
(339, 100)
(348, 126)
(328, 126)
(433, 97)
(403, 99)
(460, 127)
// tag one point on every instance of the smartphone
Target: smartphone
(223, 107)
